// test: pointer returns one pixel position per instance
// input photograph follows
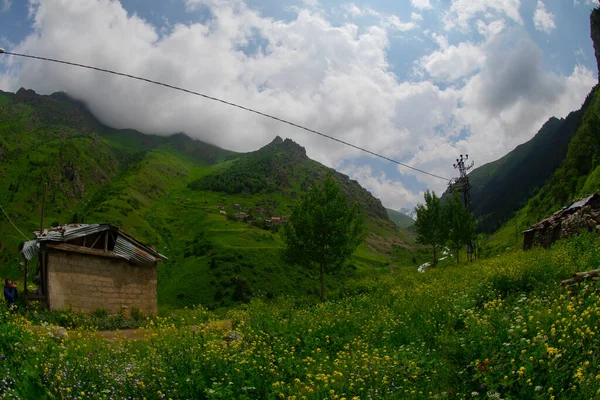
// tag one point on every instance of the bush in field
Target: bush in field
(323, 230)
(431, 224)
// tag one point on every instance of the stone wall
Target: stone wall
(586, 218)
(88, 283)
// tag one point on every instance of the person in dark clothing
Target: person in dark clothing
(11, 294)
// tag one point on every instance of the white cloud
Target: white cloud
(453, 62)
(392, 193)
(421, 4)
(6, 43)
(332, 78)
(6, 5)
(491, 29)
(394, 22)
(587, 2)
(543, 20)
(353, 10)
(387, 21)
(462, 12)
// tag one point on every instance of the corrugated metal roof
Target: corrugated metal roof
(30, 249)
(126, 246)
(66, 233)
(129, 251)
(580, 203)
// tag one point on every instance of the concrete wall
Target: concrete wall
(89, 282)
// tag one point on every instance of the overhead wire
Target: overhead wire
(227, 103)
(13, 224)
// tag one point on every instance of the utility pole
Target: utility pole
(462, 185)
(26, 266)
(43, 206)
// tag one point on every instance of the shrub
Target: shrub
(100, 313)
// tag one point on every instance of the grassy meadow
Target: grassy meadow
(501, 328)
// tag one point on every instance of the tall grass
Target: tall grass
(498, 328)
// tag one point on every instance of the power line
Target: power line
(13, 224)
(227, 103)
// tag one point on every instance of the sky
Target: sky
(418, 81)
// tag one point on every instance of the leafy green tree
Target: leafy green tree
(432, 228)
(461, 226)
(323, 229)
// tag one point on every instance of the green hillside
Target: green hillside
(579, 173)
(164, 190)
(401, 220)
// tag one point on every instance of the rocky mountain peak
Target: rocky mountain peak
(27, 96)
(277, 141)
(287, 146)
(292, 147)
(595, 34)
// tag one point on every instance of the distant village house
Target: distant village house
(90, 267)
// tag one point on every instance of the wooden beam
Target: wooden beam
(95, 241)
(82, 250)
(588, 274)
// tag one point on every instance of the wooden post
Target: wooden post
(106, 241)
(25, 280)
(43, 206)
(41, 231)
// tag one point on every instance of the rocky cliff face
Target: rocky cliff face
(595, 33)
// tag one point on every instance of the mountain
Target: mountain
(279, 171)
(501, 187)
(410, 212)
(164, 190)
(399, 218)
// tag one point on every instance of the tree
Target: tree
(461, 226)
(323, 230)
(432, 228)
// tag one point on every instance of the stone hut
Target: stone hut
(568, 222)
(90, 267)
